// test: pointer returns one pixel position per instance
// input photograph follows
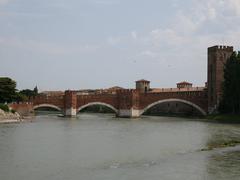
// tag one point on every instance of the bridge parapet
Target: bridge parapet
(23, 108)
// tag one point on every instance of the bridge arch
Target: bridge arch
(202, 111)
(97, 103)
(48, 106)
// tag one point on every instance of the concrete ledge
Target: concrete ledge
(9, 121)
(71, 112)
(129, 113)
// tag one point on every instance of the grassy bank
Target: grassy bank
(230, 143)
(5, 108)
(225, 118)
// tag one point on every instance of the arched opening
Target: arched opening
(47, 109)
(174, 107)
(97, 107)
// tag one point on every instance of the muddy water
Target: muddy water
(103, 147)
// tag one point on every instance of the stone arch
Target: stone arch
(97, 103)
(203, 112)
(47, 105)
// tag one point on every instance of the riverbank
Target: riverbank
(229, 143)
(9, 117)
(224, 118)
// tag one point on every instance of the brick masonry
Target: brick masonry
(134, 102)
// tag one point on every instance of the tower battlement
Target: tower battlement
(221, 47)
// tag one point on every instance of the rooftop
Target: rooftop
(143, 80)
(114, 88)
(185, 82)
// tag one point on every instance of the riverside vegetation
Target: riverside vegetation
(7, 115)
(9, 94)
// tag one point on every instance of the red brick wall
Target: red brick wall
(23, 109)
(53, 100)
(124, 99)
(199, 98)
(110, 99)
(70, 100)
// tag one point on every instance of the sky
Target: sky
(82, 44)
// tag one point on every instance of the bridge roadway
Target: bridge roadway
(124, 102)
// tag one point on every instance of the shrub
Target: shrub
(4, 107)
(13, 111)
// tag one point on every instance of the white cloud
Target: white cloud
(114, 40)
(184, 40)
(134, 34)
(166, 37)
(212, 13)
(149, 53)
(235, 5)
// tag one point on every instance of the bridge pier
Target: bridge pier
(70, 104)
(70, 112)
(128, 103)
(129, 113)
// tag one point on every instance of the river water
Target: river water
(102, 147)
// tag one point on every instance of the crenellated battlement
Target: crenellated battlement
(220, 48)
(126, 91)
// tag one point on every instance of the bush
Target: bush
(13, 111)
(4, 107)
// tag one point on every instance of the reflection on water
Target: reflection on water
(97, 146)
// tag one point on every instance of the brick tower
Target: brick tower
(143, 86)
(217, 57)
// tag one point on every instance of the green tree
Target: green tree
(29, 93)
(230, 102)
(7, 89)
(21, 97)
(35, 90)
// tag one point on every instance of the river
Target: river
(103, 147)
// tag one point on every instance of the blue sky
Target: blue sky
(76, 44)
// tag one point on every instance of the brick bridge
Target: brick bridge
(134, 102)
(124, 102)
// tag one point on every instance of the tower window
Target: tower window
(146, 88)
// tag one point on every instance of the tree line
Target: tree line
(230, 102)
(9, 92)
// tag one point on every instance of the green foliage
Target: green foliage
(28, 93)
(35, 90)
(13, 111)
(20, 97)
(4, 107)
(230, 102)
(225, 118)
(7, 89)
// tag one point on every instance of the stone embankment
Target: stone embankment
(8, 117)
